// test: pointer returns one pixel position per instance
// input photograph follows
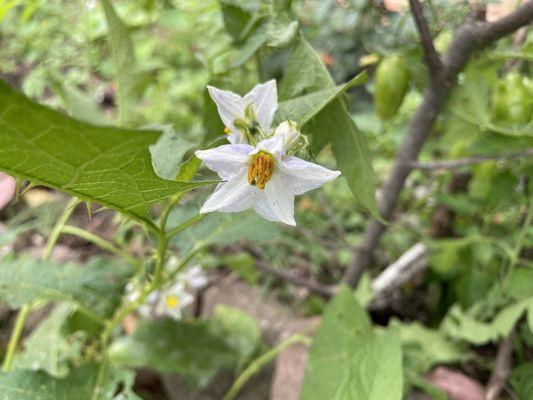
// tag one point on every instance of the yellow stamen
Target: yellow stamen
(171, 301)
(227, 130)
(261, 169)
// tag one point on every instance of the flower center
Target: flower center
(261, 169)
(171, 301)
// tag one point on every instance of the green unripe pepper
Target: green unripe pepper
(392, 79)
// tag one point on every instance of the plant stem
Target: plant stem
(256, 365)
(98, 241)
(56, 231)
(15, 336)
(184, 225)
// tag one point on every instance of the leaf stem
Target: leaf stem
(15, 336)
(98, 241)
(263, 360)
(56, 231)
(184, 225)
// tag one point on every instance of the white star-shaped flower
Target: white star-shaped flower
(172, 301)
(262, 178)
(262, 101)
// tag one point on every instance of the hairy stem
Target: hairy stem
(15, 336)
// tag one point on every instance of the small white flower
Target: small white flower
(172, 301)
(195, 277)
(262, 99)
(262, 178)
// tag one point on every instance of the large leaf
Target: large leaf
(106, 165)
(350, 150)
(345, 329)
(375, 371)
(78, 385)
(125, 64)
(326, 119)
(198, 350)
(95, 287)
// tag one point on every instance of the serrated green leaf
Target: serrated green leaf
(345, 329)
(128, 78)
(80, 384)
(95, 287)
(109, 166)
(375, 371)
(167, 154)
(192, 349)
(304, 108)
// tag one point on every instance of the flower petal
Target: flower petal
(264, 97)
(274, 145)
(275, 202)
(233, 196)
(301, 176)
(226, 160)
(230, 107)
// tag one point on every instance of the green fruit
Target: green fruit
(511, 100)
(392, 79)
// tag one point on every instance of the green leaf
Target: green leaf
(327, 120)
(193, 349)
(304, 108)
(167, 153)
(128, 79)
(237, 17)
(375, 371)
(95, 287)
(305, 73)
(345, 329)
(281, 31)
(78, 385)
(521, 381)
(255, 39)
(349, 147)
(241, 330)
(80, 105)
(48, 348)
(105, 165)
(425, 347)
(460, 325)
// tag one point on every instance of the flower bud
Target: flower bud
(289, 129)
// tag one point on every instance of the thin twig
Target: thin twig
(461, 162)
(471, 37)
(433, 60)
(502, 368)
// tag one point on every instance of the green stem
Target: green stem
(56, 231)
(15, 336)
(98, 241)
(261, 361)
(184, 225)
